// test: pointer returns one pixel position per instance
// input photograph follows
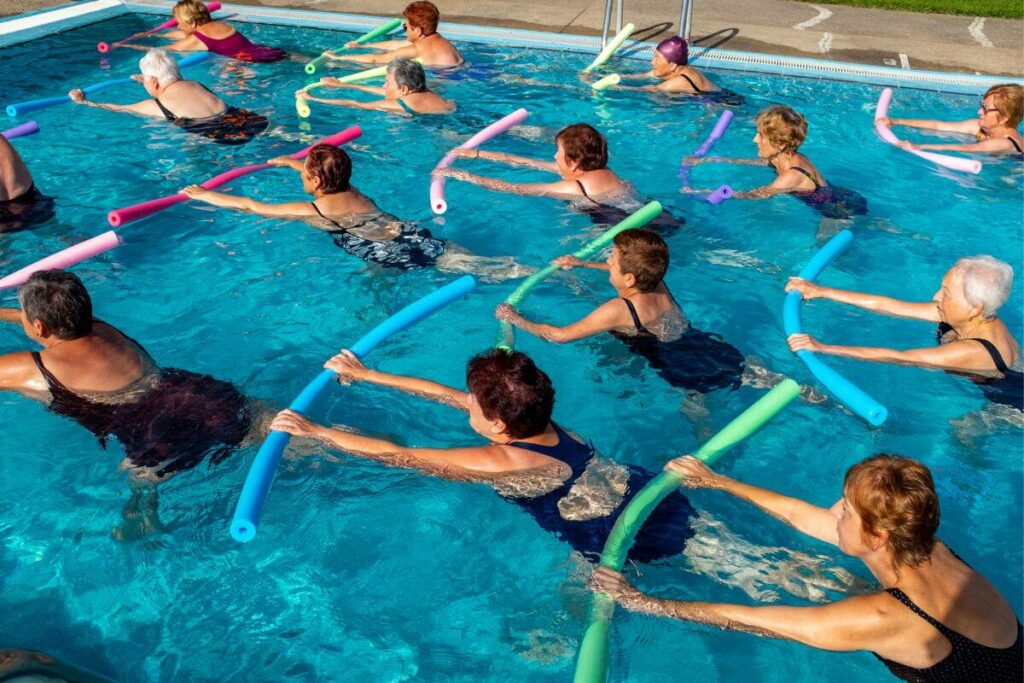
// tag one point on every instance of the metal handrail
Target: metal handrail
(685, 19)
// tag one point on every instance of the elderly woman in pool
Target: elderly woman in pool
(551, 474)
(581, 159)
(995, 129)
(671, 66)
(973, 340)
(189, 105)
(936, 619)
(422, 40)
(405, 91)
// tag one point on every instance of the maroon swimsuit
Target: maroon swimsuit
(238, 46)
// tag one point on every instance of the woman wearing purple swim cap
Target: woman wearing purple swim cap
(671, 65)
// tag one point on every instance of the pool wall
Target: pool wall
(65, 17)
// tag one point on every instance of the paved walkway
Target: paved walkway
(849, 34)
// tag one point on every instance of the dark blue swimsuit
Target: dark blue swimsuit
(828, 200)
(1008, 389)
(664, 534)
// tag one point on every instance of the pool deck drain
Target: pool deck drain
(784, 27)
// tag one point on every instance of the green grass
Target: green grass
(1007, 9)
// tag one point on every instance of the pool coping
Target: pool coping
(31, 25)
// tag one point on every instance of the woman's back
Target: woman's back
(191, 100)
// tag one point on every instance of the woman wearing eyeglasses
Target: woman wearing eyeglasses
(995, 129)
(422, 40)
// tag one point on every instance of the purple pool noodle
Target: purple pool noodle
(714, 136)
(27, 128)
(720, 195)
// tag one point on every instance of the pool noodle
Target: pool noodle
(592, 660)
(717, 131)
(390, 26)
(843, 389)
(21, 130)
(257, 485)
(638, 218)
(719, 195)
(613, 45)
(955, 163)
(20, 108)
(64, 258)
(171, 23)
(302, 104)
(128, 214)
(437, 199)
(606, 82)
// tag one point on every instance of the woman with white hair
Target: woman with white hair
(190, 105)
(973, 341)
(405, 90)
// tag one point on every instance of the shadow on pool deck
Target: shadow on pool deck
(785, 27)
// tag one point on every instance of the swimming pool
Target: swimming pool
(366, 573)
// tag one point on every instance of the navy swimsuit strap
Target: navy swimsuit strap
(321, 214)
(806, 173)
(636, 318)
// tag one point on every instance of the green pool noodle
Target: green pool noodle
(609, 49)
(638, 218)
(606, 82)
(592, 660)
(316, 63)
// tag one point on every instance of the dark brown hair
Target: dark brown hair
(332, 168)
(509, 387)
(896, 495)
(583, 145)
(59, 300)
(644, 255)
(422, 15)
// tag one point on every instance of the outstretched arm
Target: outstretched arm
(565, 189)
(10, 315)
(351, 369)
(924, 310)
(695, 161)
(227, 201)
(144, 108)
(990, 146)
(852, 624)
(331, 82)
(409, 50)
(608, 316)
(784, 183)
(379, 105)
(806, 518)
(968, 127)
(960, 355)
(503, 158)
(381, 46)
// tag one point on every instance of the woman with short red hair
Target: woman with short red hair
(422, 41)
(936, 619)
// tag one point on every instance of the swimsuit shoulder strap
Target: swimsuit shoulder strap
(636, 318)
(939, 626)
(1015, 144)
(810, 176)
(321, 214)
(51, 381)
(168, 114)
(409, 110)
(692, 84)
(584, 191)
(997, 357)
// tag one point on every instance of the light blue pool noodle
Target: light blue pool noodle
(20, 108)
(257, 485)
(848, 393)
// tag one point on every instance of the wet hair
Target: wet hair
(584, 145)
(644, 255)
(987, 282)
(1008, 99)
(674, 50)
(158, 64)
(509, 387)
(191, 12)
(785, 128)
(422, 15)
(896, 495)
(332, 168)
(408, 74)
(57, 299)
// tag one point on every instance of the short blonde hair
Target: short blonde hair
(785, 128)
(1009, 101)
(191, 12)
(897, 496)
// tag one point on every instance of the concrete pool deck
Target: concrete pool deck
(785, 27)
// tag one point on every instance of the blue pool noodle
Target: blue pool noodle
(20, 108)
(843, 389)
(257, 485)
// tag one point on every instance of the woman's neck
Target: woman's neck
(975, 327)
(783, 160)
(627, 292)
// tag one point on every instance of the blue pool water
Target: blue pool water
(360, 572)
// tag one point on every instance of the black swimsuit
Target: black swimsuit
(172, 426)
(697, 361)
(1008, 389)
(26, 210)
(232, 126)
(664, 534)
(828, 200)
(665, 224)
(413, 247)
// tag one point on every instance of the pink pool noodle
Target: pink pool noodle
(128, 214)
(107, 47)
(27, 128)
(955, 163)
(64, 258)
(437, 200)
